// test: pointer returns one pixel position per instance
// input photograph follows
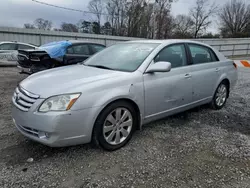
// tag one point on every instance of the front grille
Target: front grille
(23, 99)
(28, 130)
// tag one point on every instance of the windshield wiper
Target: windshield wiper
(100, 66)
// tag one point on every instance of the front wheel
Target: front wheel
(114, 126)
(220, 96)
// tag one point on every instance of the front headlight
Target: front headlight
(59, 103)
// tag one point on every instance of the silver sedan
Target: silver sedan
(112, 94)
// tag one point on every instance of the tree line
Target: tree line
(154, 19)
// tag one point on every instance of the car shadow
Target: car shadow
(25, 148)
(233, 121)
(19, 154)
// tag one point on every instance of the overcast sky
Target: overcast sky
(15, 13)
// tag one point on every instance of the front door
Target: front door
(168, 91)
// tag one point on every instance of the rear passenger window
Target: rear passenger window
(8, 46)
(174, 54)
(214, 57)
(201, 54)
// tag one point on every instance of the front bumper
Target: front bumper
(24, 70)
(56, 129)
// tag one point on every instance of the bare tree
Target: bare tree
(183, 26)
(43, 24)
(162, 12)
(96, 6)
(234, 18)
(111, 9)
(117, 11)
(136, 10)
(69, 27)
(28, 26)
(201, 15)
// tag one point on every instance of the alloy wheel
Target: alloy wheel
(221, 95)
(117, 126)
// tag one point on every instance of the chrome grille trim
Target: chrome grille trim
(23, 99)
(18, 106)
(24, 104)
(29, 94)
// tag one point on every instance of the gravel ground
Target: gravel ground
(198, 148)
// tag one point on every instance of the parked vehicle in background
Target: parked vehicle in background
(56, 54)
(113, 93)
(9, 51)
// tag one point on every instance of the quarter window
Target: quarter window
(8, 46)
(174, 54)
(201, 54)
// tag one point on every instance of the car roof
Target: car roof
(84, 41)
(168, 41)
(15, 42)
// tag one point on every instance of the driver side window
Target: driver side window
(174, 54)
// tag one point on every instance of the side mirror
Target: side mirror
(160, 66)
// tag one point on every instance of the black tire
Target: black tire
(213, 104)
(98, 137)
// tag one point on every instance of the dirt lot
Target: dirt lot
(198, 148)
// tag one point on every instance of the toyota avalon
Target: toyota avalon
(116, 91)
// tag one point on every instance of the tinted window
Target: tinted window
(124, 57)
(23, 47)
(79, 50)
(214, 57)
(70, 50)
(8, 46)
(97, 48)
(175, 54)
(201, 54)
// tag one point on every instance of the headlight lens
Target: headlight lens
(59, 103)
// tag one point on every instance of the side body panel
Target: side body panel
(205, 77)
(166, 91)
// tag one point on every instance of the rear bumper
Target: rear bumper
(55, 129)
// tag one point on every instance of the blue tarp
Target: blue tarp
(56, 49)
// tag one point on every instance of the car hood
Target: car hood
(68, 79)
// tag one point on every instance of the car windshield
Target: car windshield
(123, 57)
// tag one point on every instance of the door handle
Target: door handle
(217, 70)
(188, 75)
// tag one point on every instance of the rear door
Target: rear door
(205, 70)
(77, 53)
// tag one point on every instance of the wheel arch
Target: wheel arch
(227, 82)
(225, 79)
(128, 100)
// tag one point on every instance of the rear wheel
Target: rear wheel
(114, 126)
(220, 96)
